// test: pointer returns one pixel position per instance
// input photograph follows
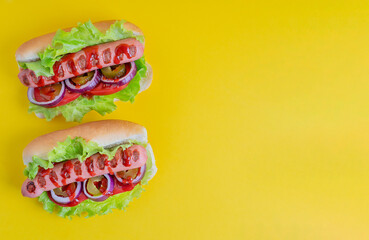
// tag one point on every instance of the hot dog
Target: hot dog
(69, 182)
(86, 60)
(73, 170)
(90, 60)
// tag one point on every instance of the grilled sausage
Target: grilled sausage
(86, 60)
(70, 171)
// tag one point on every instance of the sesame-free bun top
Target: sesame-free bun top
(29, 50)
(106, 133)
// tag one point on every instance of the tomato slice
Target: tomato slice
(105, 89)
(47, 93)
(68, 97)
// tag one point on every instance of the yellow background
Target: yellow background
(258, 115)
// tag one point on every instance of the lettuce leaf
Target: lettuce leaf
(119, 201)
(75, 110)
(36, 66)
(84, 35)
(70, 149)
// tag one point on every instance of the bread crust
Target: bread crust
(106, 133)
(146, 81)
(154, 168)
(28, 51)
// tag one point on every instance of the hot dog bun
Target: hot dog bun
(151, 154)
(29, 50)
(106, 133)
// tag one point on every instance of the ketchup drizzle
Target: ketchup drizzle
(70, 190)
(65, 171)
(101, 161)
(124, 49)
(53, 178)
(72, 66)
(58, 71)
(92, 57)
(42, 173)
(127, 154)
(78, 168)
(90, 166)
(41, 81)
(107, 164)
(80, 179)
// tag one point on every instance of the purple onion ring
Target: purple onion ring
(123, 80)
(85, 87)
(103, 196)
(51, 103)
(137, 178)
(66, 200)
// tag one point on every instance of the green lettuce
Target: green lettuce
(84, 35)
(75, 110)
(91, 208)
(36, 66)
(70, 149)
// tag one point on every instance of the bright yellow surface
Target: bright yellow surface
(258, 115)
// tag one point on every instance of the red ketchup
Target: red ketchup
(42, 173)
(41, 81)
(58, 71)
(92, 57)
(80, 179)
(129, 51)
(54, 178)
(127, 157)
(65, 171)
(78, 168)
(90, 166)
(71, 65)
(107, 164)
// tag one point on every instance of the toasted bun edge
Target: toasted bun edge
(151, 153)
(105, 133)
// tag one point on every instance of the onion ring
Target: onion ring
(66, 200)
(122, 80)
(105, 194)
(85, 87)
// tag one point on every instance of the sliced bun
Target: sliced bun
(29, 50)
(144, 84)
(106, 133)
(154, 168)
(146, 81)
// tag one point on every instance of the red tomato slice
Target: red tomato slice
(105, 89)
(47, 93)
(68, 97)
(100, 89)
